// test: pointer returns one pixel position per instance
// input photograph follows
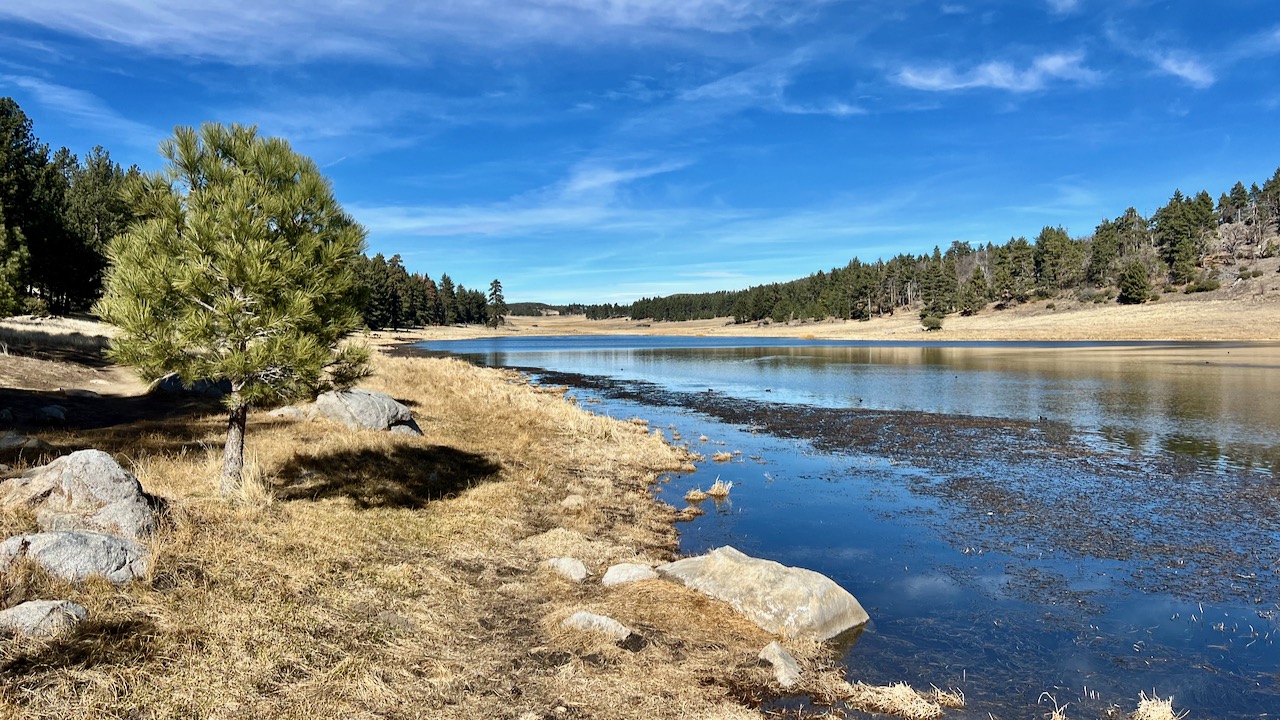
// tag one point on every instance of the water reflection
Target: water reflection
(1208, 401)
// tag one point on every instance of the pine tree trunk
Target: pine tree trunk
(233, 451)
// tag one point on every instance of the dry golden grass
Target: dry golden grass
(363, 574)
(722, 457)
(696, 495)
(719, 489)
(1155, 708)
(370, 575)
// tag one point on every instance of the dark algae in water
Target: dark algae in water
(1092, 550)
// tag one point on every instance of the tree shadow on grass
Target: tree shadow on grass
(92, 643)
(403, 477)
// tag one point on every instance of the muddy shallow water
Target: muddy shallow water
(1090, 521)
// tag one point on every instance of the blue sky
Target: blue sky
(602, 150)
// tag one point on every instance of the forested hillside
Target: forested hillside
(58, 213)
(1190, 244)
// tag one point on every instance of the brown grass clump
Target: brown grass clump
(696, 495)
(1155, 708)
(722, 457)
(897, 699)
(719, 489)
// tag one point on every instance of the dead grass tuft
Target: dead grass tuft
(722, 457)
(696, 495)
(1155, 708)
(897, 699)
(720, 489)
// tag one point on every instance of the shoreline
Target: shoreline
(1180, 319)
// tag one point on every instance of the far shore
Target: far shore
(1250, 318)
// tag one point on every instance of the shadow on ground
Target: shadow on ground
(92, 643)
(404, 477)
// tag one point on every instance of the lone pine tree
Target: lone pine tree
(239, 266)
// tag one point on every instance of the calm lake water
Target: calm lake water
(1089, 520)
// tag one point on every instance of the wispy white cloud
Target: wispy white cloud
(1196, 73)
(242, 33)
(85, 110)
(1063, 7)
(595, 177)
(1001, 75)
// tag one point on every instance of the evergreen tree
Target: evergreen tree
(95, 212)
(497, 304)
(1104, 252)
(13, 266)
(448, 300)
(1059, 260)
(240, 266)
(1135, 285)
(974, 296)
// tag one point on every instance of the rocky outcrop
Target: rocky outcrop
(42, 617)
(570, 569)
(785, 668)
(78, 555)
(623, 573)
(792, 602)
(365, 409)
(86, 490)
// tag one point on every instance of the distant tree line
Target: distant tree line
(58, 213)
(1185, 245)
(396, 298)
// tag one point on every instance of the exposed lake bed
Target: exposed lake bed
(1025, 529)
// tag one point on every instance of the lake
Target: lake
(1087, 520)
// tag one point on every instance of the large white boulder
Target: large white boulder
(78, 555)
(792, 602)
(42, 617)
(365, 409)
(86, 490)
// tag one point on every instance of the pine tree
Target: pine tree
(497, 304)
(240, 266)
(95, 212)
(13, 266)
(448, 300)
(1135, 285)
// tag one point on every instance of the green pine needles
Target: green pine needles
(240, 266)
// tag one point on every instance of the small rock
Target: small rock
(42, 617)
(78, 393)
(395, 620)
(569, 568)
(51, 415)
(785, 669)
(574, 503)
(78, 555)
(408, 428)
(288, 412)
(13, 441)
(623, 573)
(591, 622)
